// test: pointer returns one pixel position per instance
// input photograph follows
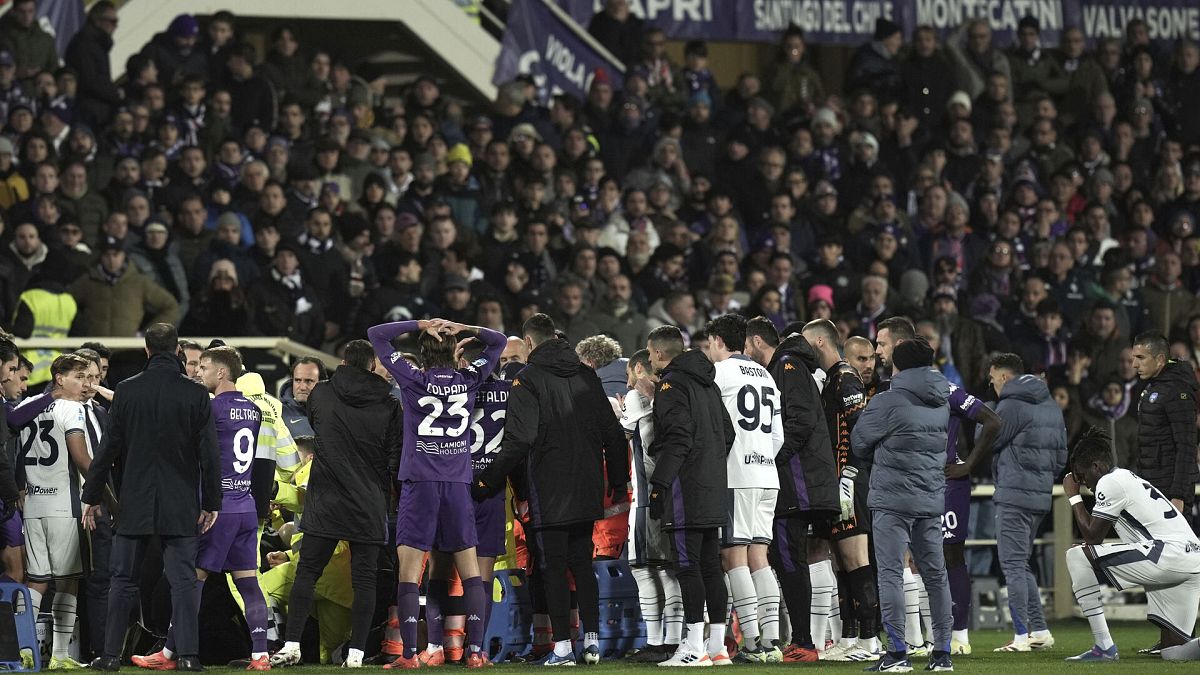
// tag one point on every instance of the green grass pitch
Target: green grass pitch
(1072, 637)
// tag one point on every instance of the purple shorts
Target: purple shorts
(436, 516)
(958, 510)
(11, 533)
(489, 527)
(231, 545)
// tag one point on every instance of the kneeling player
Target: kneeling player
(1158, 550)
(247, 476)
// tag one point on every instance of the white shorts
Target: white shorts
(1169, 572)
(52, 549)
(749, 516)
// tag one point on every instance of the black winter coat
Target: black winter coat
(692, 437)
(1166, 437)
(807, 477)
(561, 426)
(359, 431)
(87, 55)
(161, 435)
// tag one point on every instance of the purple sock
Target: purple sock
(960, 593)
(487, 605)
(476, 602)
(256, 612)
(408, 604)
(436, 593)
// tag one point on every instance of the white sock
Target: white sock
(650, 597)
(869, 644)
(562, 647)
(1021, 639)
(766, 587)
(824, 585)
(591, 640)
(291, 646)
(259, 655)
(36, 597)
(672, 608)
(785, 622)
(961, 636)
(716, 638)
(695, 637)
(912, 610)
(354, 657)
(65, 605)
(835, 616)
(168, 654)
(1040, 634)
(745, 603)
(431, 648)
(926, 615)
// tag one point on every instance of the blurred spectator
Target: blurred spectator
(115, 299)
(87, 55)
(618, 31)
(32, 47)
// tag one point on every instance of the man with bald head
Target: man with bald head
(860, 354)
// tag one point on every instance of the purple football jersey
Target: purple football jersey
(238, 421)
(438, 405)
(487, 422)
(963, 406)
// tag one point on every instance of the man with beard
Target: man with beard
(844, 399)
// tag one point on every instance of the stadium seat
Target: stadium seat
(508, 629)
(987, 604)
(25, 624)
(621, 625)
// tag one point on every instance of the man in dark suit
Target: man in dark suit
(162, 437)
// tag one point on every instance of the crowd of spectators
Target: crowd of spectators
(1006, 197)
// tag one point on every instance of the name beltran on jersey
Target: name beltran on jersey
(245, 414)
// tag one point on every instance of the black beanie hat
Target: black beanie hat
(915, 353)
(885, 28)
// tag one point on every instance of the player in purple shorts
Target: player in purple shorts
(247, 476)
(12, 540)
(435, 510)
(487, 433)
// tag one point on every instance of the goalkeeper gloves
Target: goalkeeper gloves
(846, 492)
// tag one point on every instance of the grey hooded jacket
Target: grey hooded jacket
(904, 428)
(1031, 450)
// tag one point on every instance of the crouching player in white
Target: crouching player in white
(1157, 551)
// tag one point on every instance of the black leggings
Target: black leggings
(788, 556)
(697, 557)
(315, 553)
(558, 549)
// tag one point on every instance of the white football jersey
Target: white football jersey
(52, 483)
(752, 400)
(1139, 510)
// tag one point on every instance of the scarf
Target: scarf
(33, 260)
(111, 278)
(1112, 412)
(314, 245)
(292, 281)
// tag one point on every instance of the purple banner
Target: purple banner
(852, 22)
(537, 42)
